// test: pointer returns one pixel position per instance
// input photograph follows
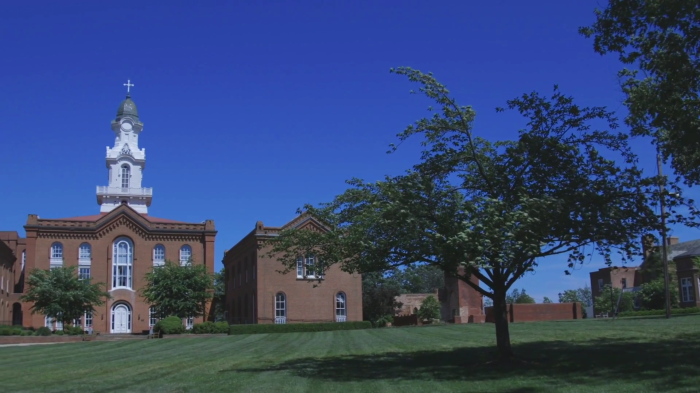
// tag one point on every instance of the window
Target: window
(122, 263)
(340, 307)
(84, 273)
(152, 317)
(624, 283)
(56, 255)
(600, 284)
(84, 254)
(24, 259)
(300, 267)
(53, 323)
(88, 321)
(310, 259)
(189, 323)
(687, 289)
(185, 255)
(159, 255)
(126, 176)
(280, 308)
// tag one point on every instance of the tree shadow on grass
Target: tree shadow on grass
(666, 364)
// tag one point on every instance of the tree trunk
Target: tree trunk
(500, 313)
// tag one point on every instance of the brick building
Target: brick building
(12, 260)
(116, 247)
(627, 278)
(256, 292)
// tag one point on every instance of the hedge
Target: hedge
(645, 313)
(210, 328)
(298, 327)
(169, 325)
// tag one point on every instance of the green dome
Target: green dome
(127, 108)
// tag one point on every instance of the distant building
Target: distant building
(256, 292)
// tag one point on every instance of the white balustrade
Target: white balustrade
(106, 190)
(280, 320)
(340, 318)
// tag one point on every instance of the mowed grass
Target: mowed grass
(629, 355)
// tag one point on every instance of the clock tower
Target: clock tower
(126, 163)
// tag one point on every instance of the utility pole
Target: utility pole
(664, 254)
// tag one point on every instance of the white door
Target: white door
(121, 319)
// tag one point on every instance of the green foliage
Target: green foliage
(219, 300)
(11, 330)
(383, 321)
(519, 297)
(659, 39)
(492, 210)
(653, 294)
(59, 294)
(379, 293)
(581, 295)
(73, 330)
(43, 331)
(675, 311)
(429, 309)
(297, 327)
(210, 328)
(169, 325)
(419, 278)
(547, 300)
(608, 300)
(177, 290)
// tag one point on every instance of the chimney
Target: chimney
(672, 240)
(647, 245)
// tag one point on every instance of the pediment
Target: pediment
(306, 221)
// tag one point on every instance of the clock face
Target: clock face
(126, 126)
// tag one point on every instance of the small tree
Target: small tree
(546, 300)
(180, 291)
(59, 294)
(429, 309)
(653, 294)
(219, 301)
(607, 301)
(379, 296)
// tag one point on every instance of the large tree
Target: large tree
(175, 290)
(660, 41)
(419, 278)
(494, 209)
(379, 292)
(58, 293)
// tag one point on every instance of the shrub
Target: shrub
(169, 325)
(73, 330)
(43, 331)
(381, 322)
(430, 308)
(203, 328)
(297, 327)
(645, 313)
(10, 330)
(221, 327)
(59, 332)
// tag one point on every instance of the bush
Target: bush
(297, 327)
(10, 330)
(169, 325)
(430, 308)
(59, 332)
(383, 321)
(43, 331)
(645, 313)
(73, 330)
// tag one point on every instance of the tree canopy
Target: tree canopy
(175, 290)
(660, 40)
(495, 209)
(519, 297)
(58, 293)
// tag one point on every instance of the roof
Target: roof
(127, 108)
(96, 217)
(683, 250)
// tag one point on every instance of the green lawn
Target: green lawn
(631, 355)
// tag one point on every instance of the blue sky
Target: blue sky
(252, 109)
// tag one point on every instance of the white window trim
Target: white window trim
(129, 265)
(280, 313)
(157, 260)
(341, 313)
(188, 255)
(687, 290)
(56, 258)
(84, 258)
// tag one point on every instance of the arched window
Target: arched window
(340, 307)
(24, 259)
(122, 263)
(56, 255)
(126, 176)
(159, 255)
(185, 254)
(280, 308)
(84, 259)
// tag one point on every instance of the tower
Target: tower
(126, 163)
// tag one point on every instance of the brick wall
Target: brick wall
(539, 312)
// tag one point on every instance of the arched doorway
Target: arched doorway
(121, 318)
(17, 314)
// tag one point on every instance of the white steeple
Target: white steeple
(125, 162)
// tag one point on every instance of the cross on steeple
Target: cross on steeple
(128, 85)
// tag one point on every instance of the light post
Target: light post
(664, 255)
